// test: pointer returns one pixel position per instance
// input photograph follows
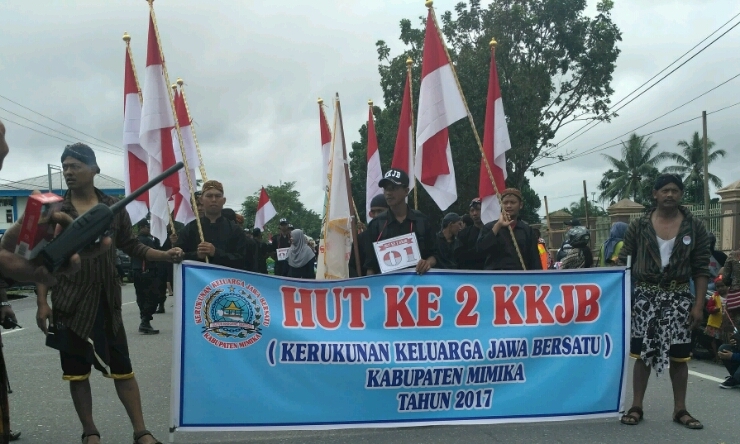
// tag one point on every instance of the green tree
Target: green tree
(633, 174)
(286, 200)
(555, 67)
(578, 210)
(690, 166)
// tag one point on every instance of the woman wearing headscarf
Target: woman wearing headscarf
(610, 250)
(300, 257)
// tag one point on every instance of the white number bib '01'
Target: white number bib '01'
(397, 252)
(282, 254)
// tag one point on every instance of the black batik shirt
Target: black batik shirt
(386, 226)
(500, 251)
(225, 235)
(690, 256)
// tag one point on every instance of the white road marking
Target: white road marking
(702, 375)
(127, 303)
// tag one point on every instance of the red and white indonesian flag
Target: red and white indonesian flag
(374, 171)
(134, 158)
(265, 210)
(403, 153)
(325, 148)
(337, 243)
(183, 207)
(440, 105)
(495, 144)
(156, 136)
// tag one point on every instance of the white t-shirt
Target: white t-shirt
(666, 248)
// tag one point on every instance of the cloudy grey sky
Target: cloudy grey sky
(253, 72)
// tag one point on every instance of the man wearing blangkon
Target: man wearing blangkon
(87, 307)
(224, 242)
(668, 247)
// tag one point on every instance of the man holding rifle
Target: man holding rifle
(87, 315)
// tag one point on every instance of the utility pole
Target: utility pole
(706, 166)
(49, 169)
(585, 208)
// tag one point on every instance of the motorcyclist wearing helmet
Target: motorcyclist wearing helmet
(579, 255)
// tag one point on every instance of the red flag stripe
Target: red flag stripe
(402, 151)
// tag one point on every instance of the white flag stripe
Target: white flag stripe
(326, 159)
(490, 209)
(156, 114)
(440, 104)
(374, 175)
(264, 215)
(137, 210)
(501, 142)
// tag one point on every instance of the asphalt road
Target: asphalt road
(42, 410)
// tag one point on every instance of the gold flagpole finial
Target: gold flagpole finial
(409, 62)
(370, 102)
(180, 81)
(320, 101)
(427, 3)
(126, 37)
(493, 44)
(174, 86)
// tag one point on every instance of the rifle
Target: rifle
(87, 228)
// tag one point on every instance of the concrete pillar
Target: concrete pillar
(623, 210)
(730, 208)
(557, 220)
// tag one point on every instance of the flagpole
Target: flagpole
(127, 39)
(353, 209)
(409, 63)
(203, 174)
(492, 44)
(177, 124)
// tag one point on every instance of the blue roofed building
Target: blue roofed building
(14, 194)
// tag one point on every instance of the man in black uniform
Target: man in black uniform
(377, 205)
(147, 280)
(224, 242)
(400, 220)
(261, 251)
(470, 258)
(448, 244)
(281, 240)
(495, 240)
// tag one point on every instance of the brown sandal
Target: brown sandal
(691, 423)
(143, 433)
(629, 419)
(85, 436)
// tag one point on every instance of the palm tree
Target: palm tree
(628, 176)
(690, 166)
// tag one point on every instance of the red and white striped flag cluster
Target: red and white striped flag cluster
(441, 104)
(152, 142)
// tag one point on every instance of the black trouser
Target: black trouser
(147, 286)
(281, 268)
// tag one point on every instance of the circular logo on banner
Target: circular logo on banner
(686, 240)
(232, 313)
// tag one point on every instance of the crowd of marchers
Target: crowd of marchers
(680, 283)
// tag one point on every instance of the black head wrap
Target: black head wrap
(665, 179)
(83, 153)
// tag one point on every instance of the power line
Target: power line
(55, 130)
(56, 121)
(657, 118)
(593, 123)
(596, 149)
(56, 137)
